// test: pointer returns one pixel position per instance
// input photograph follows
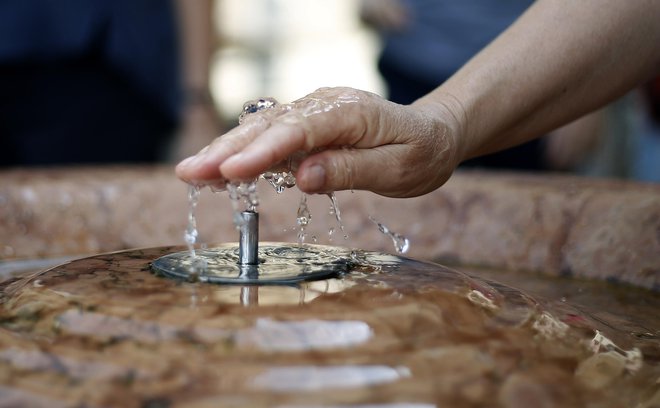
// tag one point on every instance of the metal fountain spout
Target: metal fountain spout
(281, 264)
(248, 244)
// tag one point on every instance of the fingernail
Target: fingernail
(314, 178)
(185, 162)
(203, 151)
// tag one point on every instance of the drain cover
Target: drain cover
(279, 264)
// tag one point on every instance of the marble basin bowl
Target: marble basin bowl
(102, 330)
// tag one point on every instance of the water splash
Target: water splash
(401, 243)
(256, 105)
(280, 180)
(243, 197)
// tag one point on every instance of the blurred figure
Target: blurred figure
(426, 41)
(647, 165)
(101, 81)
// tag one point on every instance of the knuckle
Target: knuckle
(341, 174)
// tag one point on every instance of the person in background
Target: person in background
(103, 82)
(424, 42)
(647, 168)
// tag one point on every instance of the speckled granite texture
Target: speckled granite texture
(549, 224)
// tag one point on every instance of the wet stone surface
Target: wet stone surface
(279, 265)
(392, 332)
(549, 224)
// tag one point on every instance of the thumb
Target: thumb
(384, 170)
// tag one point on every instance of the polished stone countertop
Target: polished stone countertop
(550, 224)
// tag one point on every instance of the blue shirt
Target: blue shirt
(136, 38)
(444, 34)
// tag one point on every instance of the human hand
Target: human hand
(345, 139)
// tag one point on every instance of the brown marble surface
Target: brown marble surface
(104, 331)
(549, 224)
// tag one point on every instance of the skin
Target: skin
(200, 122)
(559, 61)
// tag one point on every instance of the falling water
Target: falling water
(198, 264)
(280, 180)
(191, 233)
(243, 197)
(401, 243)
(334, 210)
(303, 218)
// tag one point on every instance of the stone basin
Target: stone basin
(550, 300)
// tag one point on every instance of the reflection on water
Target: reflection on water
(36, 360)
(266, 334)
(279, 295)
(272, 335)
(104, 331)
(384, 405)
(311, 378)
(278, 264)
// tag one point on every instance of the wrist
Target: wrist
(449, 120)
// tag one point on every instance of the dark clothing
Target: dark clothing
(405, 89)
(444, 34)
(442, 37)
(87, 81)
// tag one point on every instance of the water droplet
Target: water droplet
(244, 197)
(256, 105)
(401, 243)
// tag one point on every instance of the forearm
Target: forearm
(560, 60)
(199, 119)
(197, 43)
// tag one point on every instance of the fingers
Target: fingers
(346, 169)
(326, 118)
(203, 168)
(345, 138)
(415, 156)
(390, 170)
(266, 150)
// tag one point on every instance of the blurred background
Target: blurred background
(154, 81)
(287, 49)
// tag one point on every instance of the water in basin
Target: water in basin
(390, 332)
